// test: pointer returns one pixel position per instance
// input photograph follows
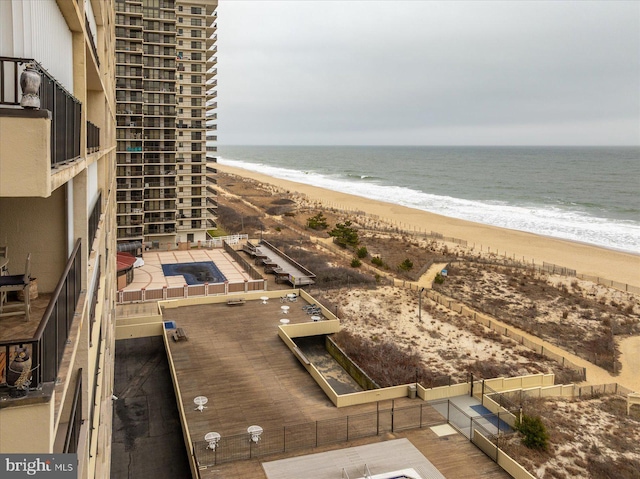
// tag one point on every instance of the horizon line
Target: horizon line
(438, 145)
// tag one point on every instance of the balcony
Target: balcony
(48, 339)
(35, 141)
(93, 138)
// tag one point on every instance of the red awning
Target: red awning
(125, 261)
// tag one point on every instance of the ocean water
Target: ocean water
(587, 194)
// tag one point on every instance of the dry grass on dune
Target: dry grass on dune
(589, 438)
(574, 315)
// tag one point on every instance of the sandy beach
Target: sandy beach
(586, 259)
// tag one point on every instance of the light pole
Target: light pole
(420, 305)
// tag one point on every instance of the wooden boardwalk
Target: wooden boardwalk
(235, 358)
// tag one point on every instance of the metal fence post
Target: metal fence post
(347, 428)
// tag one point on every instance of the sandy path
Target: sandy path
(426, 280)
(586, 259)
(630, 359)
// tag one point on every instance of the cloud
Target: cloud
(387, 72)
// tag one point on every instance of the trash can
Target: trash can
(412, 391)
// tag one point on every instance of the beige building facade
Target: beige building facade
(165, 95)
(57, 208)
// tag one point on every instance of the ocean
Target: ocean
(586, 194)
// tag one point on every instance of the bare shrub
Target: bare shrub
(385, 362)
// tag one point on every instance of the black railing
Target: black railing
(297, 437)
(75, 419)
(48, 343)
(94, 300)
(93, 137)
(91, 40)
(94, 219)
(64, 107)
(96, 380)
(54, 328)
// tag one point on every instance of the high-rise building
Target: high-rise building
(165, 95)
(57, 229)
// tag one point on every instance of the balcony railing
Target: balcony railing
(75, 419)
(64, 107)
(93, 137)
(94, 218)
(48, 343)
(91, 40)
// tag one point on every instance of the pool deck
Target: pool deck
(150, 276)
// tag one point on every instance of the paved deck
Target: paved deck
(235, 358)
(150, 276)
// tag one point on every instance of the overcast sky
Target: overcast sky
(428, 73)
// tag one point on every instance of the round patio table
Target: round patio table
(200, 401)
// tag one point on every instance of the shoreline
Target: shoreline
(587, 259)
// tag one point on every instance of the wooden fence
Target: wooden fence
(189, 291)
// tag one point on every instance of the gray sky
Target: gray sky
(428, 73)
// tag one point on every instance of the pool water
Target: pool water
(195, 273)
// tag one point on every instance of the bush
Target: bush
(317, 222)
(356, 263)
(362, 252)
(439, 279)
(344, 235)
(534, 432)
(377, 261)
(406, 265)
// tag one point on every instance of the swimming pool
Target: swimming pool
(195, 273)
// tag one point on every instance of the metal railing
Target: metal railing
(94, 218)
(91, 40)
(64, 107)
(94, 299)
(48, 343)
(75, 419)
(93, 137)
(275, 440)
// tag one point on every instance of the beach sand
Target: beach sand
(585, 259)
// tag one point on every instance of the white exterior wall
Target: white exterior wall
(23, 25)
